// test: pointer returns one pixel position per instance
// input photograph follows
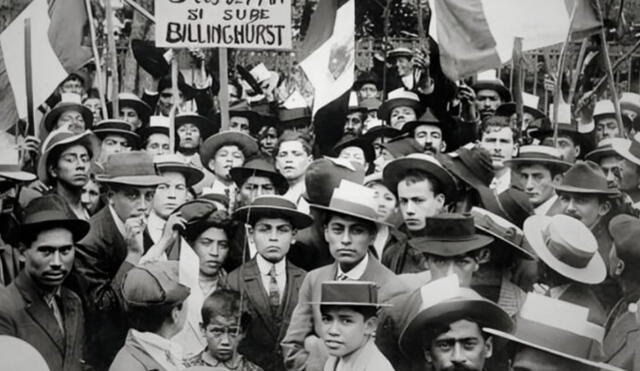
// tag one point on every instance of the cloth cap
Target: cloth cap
(450, 235)
(154, 284)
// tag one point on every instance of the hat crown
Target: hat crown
(134, 163)
(154, 284)
(113, 124)
(159, 121)
(402, 94)
(352, 293)
(354, 198)
(451, 226)
(478, 161)
(604, 107)
(569, 241)
(260, 163)
(497, 225)
(538, 151)
(586, 175)
(46, 208)
(274, 201)
(325, 174)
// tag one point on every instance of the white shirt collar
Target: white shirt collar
(265, 266)
(501, 183)
(166, 352)
(119, 223)
(356, 272)
(543, 208)
(155, 225)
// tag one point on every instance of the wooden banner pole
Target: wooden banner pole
(223, 97)
(175, 92)
(98, 60)
(140, 9)
(516, 78)
(31, 125)
(113, 54)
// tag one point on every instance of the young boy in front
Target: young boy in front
(349, 321)
(223, 326)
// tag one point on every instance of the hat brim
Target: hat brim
(385, 108)
(497, 238)
(19, 176)
(365, 146)
(348, 303)
(598, 154)
(349, 213)
(191, 174)
(572, 189)
(78, 228)
(207, 128)
(383, 131)
(484, 312)
(87, 138)
(247, 145)
(132, 138)
(239, 175)
(502, 90)
(52, 116)
(594, 273)
(510, 337)
(410, 126)
(142, 108)
(519, 161)
(624, 152)
(252, 214)
(508, 109)
(134, 180)
(395, 170)
(453, 247)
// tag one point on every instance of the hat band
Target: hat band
(510, 234)
(46, 216)
(634, 149)
(13, 168)
(566, 253)
(353, 208)
(554, 338)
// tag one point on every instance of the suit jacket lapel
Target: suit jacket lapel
(71, 319)
(294, 281)
(258, 296)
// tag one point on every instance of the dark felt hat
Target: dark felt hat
(49, 212)
(512, 204)
(349, 293)
(509, 109)
(296, 117)
(117, 127)
(188, 91)
(472, 165)
(325, 174)
(625, 230)
(493, 84)
(381, 131)
(155, 284)
(51, 118)
(259, 166)
(131, 100)
(402, 146)
(354, 141)
(245, 143)
(427, 118)
(450, 235)
(502, 230)
(586, 177)
(207, 127)
(368, 77)
(272, 206)
(200, 215)
(150, 58)
(135, 168)
(396, 170)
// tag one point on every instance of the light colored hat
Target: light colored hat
(502, 230)
(10, 166)
(64, 138)
(135, 168)
(396, 169)
(603, 150)
(536, 154)
(18, 355)
(399, 98)
(627, 149)
(567, 246)
(69, 102)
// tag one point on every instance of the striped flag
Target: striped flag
(328, 51)
(477, 35)
(57, 32)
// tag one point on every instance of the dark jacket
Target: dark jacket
(621, 343)
(400, 257)
(25, 315)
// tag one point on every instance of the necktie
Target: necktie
(274, 293)
(53, 305)
(342, 277)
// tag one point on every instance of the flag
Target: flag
(328, 51)
(57, 32)
(477, 35)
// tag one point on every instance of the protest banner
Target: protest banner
(251, 24)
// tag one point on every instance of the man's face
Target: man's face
(239, 124)
(268, 140)
(49, 259)
(462, 266)
(400, 115)
(72, 168)
(94, 105)
(157, 144)
(349, 240)
(90, 196)
(8, 194)
(403, 64)
(273, 238)
(72, 121)
(568, 149)
(72, 86)
(189, 136)
(607, 127)
(165, 101)
(292, 160)
(170, 194)
(377, 145)
(586, 208)
(430, 138)
(382, 160)
(461, 348)
(531, 359)
(487, 101)
(417, 202)
(368, 91)
(130, 202)
(499, 142)
(353, 153)
(611, 165)
(130, 115)
(344, 330)
(255, 186)
(353, 124)
(630, 179)
(226, 157)
(212, 247)
(113, 144)
(537, 183)
(223, 335)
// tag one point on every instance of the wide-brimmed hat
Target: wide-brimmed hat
(355, 141)
(10, 167)
(380, 131)
(245, 143)
(117, 127)
(427, 118)
(271, 206)
(295, 117)
(603, 150)
(242, 109)
(176, 163)
(367, 77)
(399, 98)
(625, 231)
(588, 178)
(259, 166)
(349, 293)
(396, 170)
(134, 102)
(325, 174)
(556, 327)
(399, 52)
(50, 212)
(70, 102)
(567, 246)
(442, 302)
(371, 104)
(514, 205)
(206, 126)
(493, 84)
(150, 58)
(450, 235)
(539, 155)
(63, 139)
(502, 230)
(154, 284)
(472, 165)
(629, 149)
(135, 168)
(353, 199)
(605, 108)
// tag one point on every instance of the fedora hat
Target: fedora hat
(556, 327)
(567, 246)
(354, 141)
(509, 109)
(493, 84)
(402, 146)
(427, 118)
(629, 149)
(50, 212)
(154, 284)
(150, 58)
(201, 214)
(215, 197)
(586, 177)
(514, 205)
(367, 77)
(502, 230)
(371, 104)
(349, 293)
(206, 127)
(64, 139)
(380, 131)
(245, 143)
(259, 166)
(625, 230)
(395, 171)
(450, 235)
(133, 101)
(353, 199)
(135, 168)
(399, 98)
(603, 150)
(10, 167)
(294, 117)
(176, 163)
(443, 301)
(472, 165)
(325, 174)
(539, 155)
(70, 102)
(272, 206)
(117, 127)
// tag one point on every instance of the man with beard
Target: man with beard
(401, 106)
(428, 132)
(65, 165)
(36, 307)
(501, 140)
(354, 122)
(490, 94)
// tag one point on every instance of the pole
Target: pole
(385, 14)
(576, 76)
(113, 54)
(223, 98)
(516, 74)
(31, 126)
(140, 9)
(172, 113)
(96, 57)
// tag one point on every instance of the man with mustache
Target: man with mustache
(428, 132)
(36, 307)
(354, 121)
(490, 94)
(501, 140)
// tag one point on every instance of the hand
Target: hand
(38, 186)
(197, 53)
(421, 59)
(134, 227)
(174, 223)
(466, 95)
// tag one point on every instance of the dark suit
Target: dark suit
(400, 256)
(261, 345)
(621, 343)
(25, 315)
(100, 260)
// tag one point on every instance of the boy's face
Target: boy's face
(223, 334)
(349, 240)
(344, 330)
(273, 238)
(461, 348)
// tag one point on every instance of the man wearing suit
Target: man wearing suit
(269, 281)
(35, 307)
(112, 247)
(350, 227)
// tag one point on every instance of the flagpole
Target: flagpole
(223, 97)
(516, 74)
(28, 81)
(175, 93)
(98, 61)
(576, 77)
(113, 54)
(140, 9)
(386, 13)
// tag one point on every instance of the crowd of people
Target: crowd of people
(427, 227)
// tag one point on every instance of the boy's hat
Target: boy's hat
(349, 293)
(116, 127)
(542, 155)
(402, 146)
(427, 118)
(135, 168)
(69, 102)
(399, 98)
(354, 141)
(176, 163)
(396, 170)
(131, 100)
(272, 206)
(450, 235)
(63, 138)
(204, 125)
(245, 143)
(154, 284)
(502, 230)
(259, 166)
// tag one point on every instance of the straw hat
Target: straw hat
(272, 205)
